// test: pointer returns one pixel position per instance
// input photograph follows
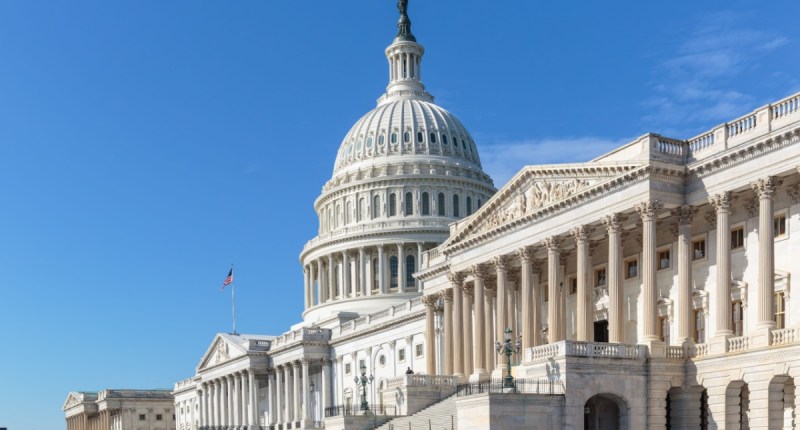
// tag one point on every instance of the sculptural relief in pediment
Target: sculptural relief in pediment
(538, 194)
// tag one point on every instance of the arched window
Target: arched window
(393, 271)
(440, 204)
(419, 137)
(433, 137)
(410, 269)
(479, 203)
(469, 205)
(392, 204)
(426, 204)
(375, 283)
(456, 211)
(409, 204)
(376, 207)
(348, 215)
(361, 214)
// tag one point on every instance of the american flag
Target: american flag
(228, 279)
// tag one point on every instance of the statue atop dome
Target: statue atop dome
(404, 24)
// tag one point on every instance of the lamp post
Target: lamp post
(363, 380)
(507, 348)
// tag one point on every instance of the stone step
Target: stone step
(439, 416)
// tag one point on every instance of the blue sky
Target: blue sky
(147, 145)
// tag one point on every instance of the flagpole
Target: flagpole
(233, 302)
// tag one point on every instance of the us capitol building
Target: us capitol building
(649, 288)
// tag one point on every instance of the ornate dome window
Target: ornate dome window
(444, 139)
(392, 204)
(406, 137)
(420, 136)
(394, 138)
(409, 204)
(433, 137)
(456, 212)
(440, 204)
(469, 205)
(426, 204)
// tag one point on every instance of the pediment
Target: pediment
(224, 348)
(73, 399)
(535, 189)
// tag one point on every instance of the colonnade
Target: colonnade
(469, 348)
(81, 421)
(352, 273)
(229, 400)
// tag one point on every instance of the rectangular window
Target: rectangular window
(698, 249)
(573, 285)
(362, 364)
(401, 355)
(546, 293)
(600, 277)
(737, 318)
(780, 310)
(699, 327)
(737, 238)
(142, 417)
(418, 350)
(631, 269)
(664, 261)
(347, 368)
(780, 225)
(159, 417)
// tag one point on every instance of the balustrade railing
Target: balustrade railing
(785, 336)
(701, 142)
(737, 344)
(676, 352)
(355, 409)
(571, 348)
(786, 106)
(523, 386)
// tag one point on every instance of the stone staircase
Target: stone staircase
(439, 416)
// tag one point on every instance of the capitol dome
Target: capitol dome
(403, 173)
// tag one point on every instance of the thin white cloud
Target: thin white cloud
(693, 84)
(502, 160)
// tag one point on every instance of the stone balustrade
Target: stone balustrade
(738, 344)
(346, 232)
(303, 334)
(379, 317)
(785, 336)
(569, 348)
(419, 380)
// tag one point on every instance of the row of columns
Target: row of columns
(320, 275)
(83, 422)
(458, 306)
(404, 65)
(290, 393)
(229, 400)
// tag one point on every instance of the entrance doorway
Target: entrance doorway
(601, 331)
(605, 412)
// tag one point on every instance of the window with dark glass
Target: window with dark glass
(780, 310)
(456, 211)
(699, 327)
(376, 206)
(699, 249)
(409, 204)
(573, 285)
(426, 204)
(663, 329)
(406, 137)
(780, 225)
(600, 277)
(410, 269)
(420, 136)
(631, 269)
(737, 238)
(664, 259)
(393, 272)
(392, 204)
(444, 139)
(393, 138)
(440, 201)
(433, 137)
(469, 205)
(375, 284)
(737, 318)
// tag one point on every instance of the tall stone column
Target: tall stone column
(381, 270)
(447, 296)
(553, 245)
(326, 384)
(501, 268)
(488, 315)
(243, 396)
(526, 292)
(562, 295)
(765, 189)
(684, 215)
(648, 211)
(320, 283)
(306, 393)
(288, 414)
(583, 295)
(217, 403)
(237, 390)
(478, 275)
(280, 388)
(430, 333)
(536, 306)
(224, 391)
(331, 281)
(272, 407)
(307, 286)
(616, 307)
(297, 388)
(512, 282)
(722, 205)
(253, 400)
(466, 315)
(346, 288)
(457, 334)
(401, 269)
(362, 271)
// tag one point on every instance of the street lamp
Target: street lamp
(364, 380)
(507, 348)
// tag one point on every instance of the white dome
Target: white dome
(402, 127)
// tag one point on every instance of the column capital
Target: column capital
(711, 219)
(478, 271)
(469, 290)
(751, 207)
(513, 279)
(536, 267)
(722, 201)
(552, 243)
(581, 233)
(765, 187)
(684, 214)
(456, 278)
(447, 295)
(794, 193)
(648, 210)
(409, 339)
(430, 300)
(525, 254)
(613, 222)
(500, 262)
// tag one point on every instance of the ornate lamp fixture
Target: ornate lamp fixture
(507, 348)
(364, 380)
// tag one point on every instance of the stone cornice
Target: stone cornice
(358, 238)
(432, 272)
(379, 328)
